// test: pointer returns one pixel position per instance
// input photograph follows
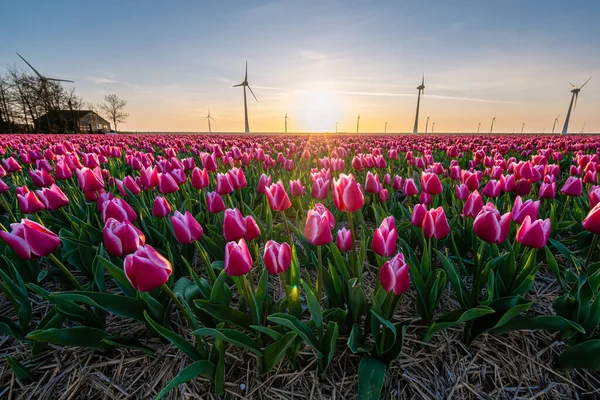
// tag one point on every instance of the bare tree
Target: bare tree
(114, 108)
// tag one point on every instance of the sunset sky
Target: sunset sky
(320, 62)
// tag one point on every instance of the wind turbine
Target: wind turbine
(245, 85)
(208, 117)
(286, 120)
(492, 127)
(357, 123)
(421, 89)
(426, 125)
(575, 95)
(583, 127)
(478, 126)
(522, 127)
(432, 127)
(336, 124)
(555, 122)
(385, 127)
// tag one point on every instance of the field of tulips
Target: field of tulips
(287, 254)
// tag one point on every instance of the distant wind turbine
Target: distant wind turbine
(208, 117)
(245, 85)
(583, 127)
(336, 124)
(385, 127)
(555, 122)
(421, 89)
(432, 127)
(42, 78)
(426, 125)
(522, 127)
(478, 126)
(286, 121)
(574, 97)
(492, 127)
(357, 123)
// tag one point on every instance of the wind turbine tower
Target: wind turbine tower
(432, 127)
(478, 126)
(522, 127)
(208, 117)
(555, 122)
(421, 89)
(492, 127)
(574, 97)
(385, 127)
(426, 125)
(357, 123)
(286, 121)
(245, 85)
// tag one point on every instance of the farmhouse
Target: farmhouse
(85, 121)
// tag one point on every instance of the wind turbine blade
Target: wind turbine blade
(576, 97)
(59, 80)
(241, 84)
(585, 83)
(246, 76)
(30, 66)
(572, 85)
(252, 93)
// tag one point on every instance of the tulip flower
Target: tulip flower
(547, 190)
(29, 203)
(296, 188)
(384, 195)
(430, 183)
(435, 224)
(473, 205)
(572, 187)
(121, 238)
(199, 178)
(237, 258)
(277, 197)
(11, 165)
(347, 194)
(277, 257)
(522, 187)
(492, 189)
(343, 240)
(29, 239)
(41, 178)
(385, 237)
(214, 203)
(521, 210)
(237, 178)
(534, 234)
(594, 195)
(318, 226)
(462, 191)
(320, 188)
(147, 269)
(418, 215)
(410, 188)
(53, 198)
(224, 184)
(372, 184)
(161, 207)
(90, 180)
(118, 209)
(394, 275)
(236, 227)
(185, 227)
(470, 179)
(166, 183)
(490, 226)
(397, 183)
(3, 186)
(263, 182)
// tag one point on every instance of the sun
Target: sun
(316, 111)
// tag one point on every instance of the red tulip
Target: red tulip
(385, 238)
(347, 195)
(591, 222)
(214, 202)
(318, 226)
(490, 226)
(161, 207)
(296, 188)
(237, 178)
(397, 183)
(53, 198)
(121, 238)
(572, 187)
(147, 269)
(166, 183)
(237, 258)
(384, 195)
(118, 209)
(594, 195)
(29, 239)
(277, 257)
(277, 197)
(149, 177)
(90, 180)
(29, 203)
(521, 210)
(534, 234)
(394, 275)
(187, 230)
(418, 215)
(372, 184)
(343, 240)
(435, 224)
(430, 183)
(473, 205)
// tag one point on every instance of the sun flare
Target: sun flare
(317, 111)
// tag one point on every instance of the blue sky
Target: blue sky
(320, 62)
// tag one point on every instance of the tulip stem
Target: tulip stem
(591, 251)
(354, 256)
(65, 270)
(7, 208)
(565, 208)
(184, 310)
(287, 228)
(64, 213)
(211, 273)
(320, 275)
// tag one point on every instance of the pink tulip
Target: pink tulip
(187, 230)
(591, 222)
(224, 184)
(53, 198)
(214, 203)
(394, 275)
(385, 238)
(237, 258)
(90, 180)
(473, 205)
(277, 257)
(118, 209)
(435, 224)
(397, 183)
(147, 269)
(425, 198)
(121, 238)
(471, 180)
(522, 187)
(29, 239)
(534, 234)
(547, 190)
(277, 197)
(161, 207)
(237, 178)
(372, 184)
(320, 188)
(492, 189)
(29, 203)
(343, 240)
(236, 227)
(296, 188)
(430, 183)
(166, 183)
(572, 187)
(418, 215)
(263, 182)
(521, 210)
(490, 226)
(347, 194)
(384, 195)
(41, 178)
(318, 229)
(410, 188)
(199, 178)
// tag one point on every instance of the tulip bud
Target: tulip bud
(121, 238)
(118, 209)
(410, 188)
(372, 184)
(90, 180)
(343, 240)
(296, 188)
(572, 187)
(263, 182)
(29, 239)
(237, 258)
(318, 229)
(29, 203)
(394, 275)
(430, 183)
(277, 257)
(214, 202)
(435, 224)
(199, 178)
(384, 195)
(53, 198)
(161, 207)
(187, 230)
(320, 188)
(591, 222)
(385, 237)
(166, 183)
(462, 191)
(473, 205)
(418, 214)
(521, 210)
(547, 190)
(236, 227)
(277, 197)
(534, 234)
(347, 195)
(224, 184)
(147, 269)
(490, 226)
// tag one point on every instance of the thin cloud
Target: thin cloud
(100, 80)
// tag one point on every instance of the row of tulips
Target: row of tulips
(155, 227)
